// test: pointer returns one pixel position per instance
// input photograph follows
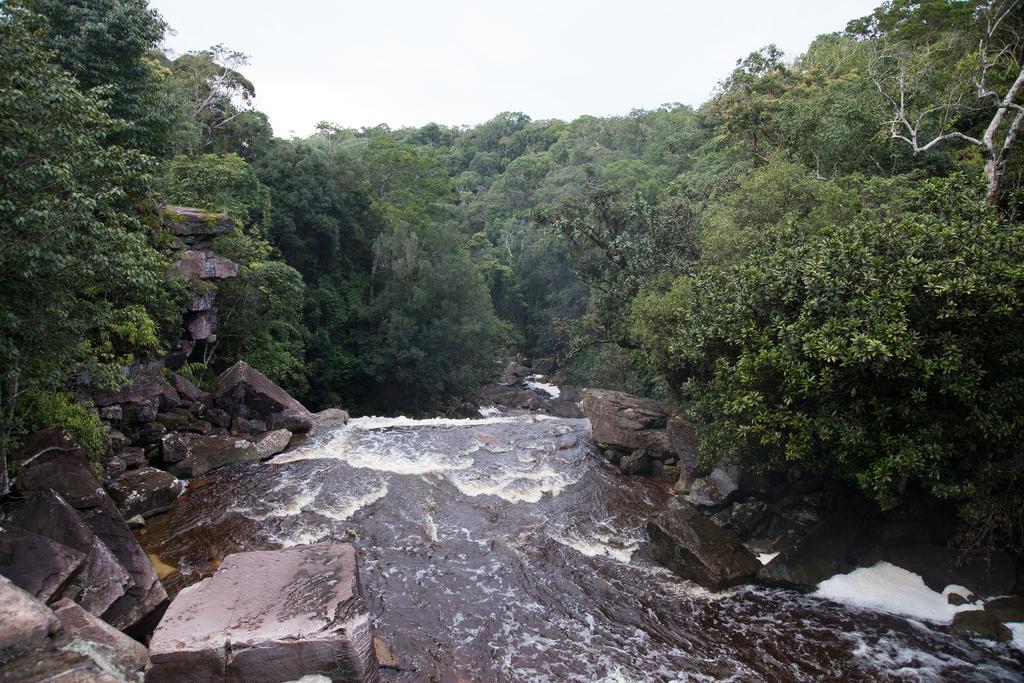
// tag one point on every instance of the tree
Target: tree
(219, 95)
(930, 108)
(82, 291)
(105, 45)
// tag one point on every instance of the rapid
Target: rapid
(506, 549)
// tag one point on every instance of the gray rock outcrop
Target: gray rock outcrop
(269, 616)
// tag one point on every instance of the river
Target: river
(506, 549)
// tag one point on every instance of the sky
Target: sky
(459, 62)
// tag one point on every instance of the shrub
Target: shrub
(61, 409)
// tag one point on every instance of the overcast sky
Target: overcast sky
(460, 62)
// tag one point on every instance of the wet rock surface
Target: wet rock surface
(695, 548)
(508, 549)
(144, 491)
(192, 455)
(270, 616)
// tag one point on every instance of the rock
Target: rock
(101, 580)
(696, 548)
(174, 420)
(245, 392)
(146, 491)
(978, 622)
(169, 397)
(624, 422)
(192, 455)
(709, 492)
(514, 371)
(637, 462)
(205, 265)
(1008, 608)
(150, 433)
(144, 380)
(112, 413)
(270, 616)
(543, 366)
(114, 466)
(682, 437)
(116, 440)
(203, 296)
(821, 553)
(218, 417)
(54, 465)
(190, 223)
(240, 425)
(332, 417)
(571, 393)
(36, 564)
(129, 657)
(560, 407)
(750, 518)
(27, 623)
(201, 325)
(938, 566)
(298, 421)
(136, 522)
(273, 442)
(199, 427)
(134, 457)
(956, 599)
(188, 390)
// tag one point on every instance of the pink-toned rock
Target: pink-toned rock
(205, 265)
(269, 616)
(244, 391)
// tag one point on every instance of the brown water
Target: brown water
(505, 549)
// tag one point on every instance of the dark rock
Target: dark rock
(543, 366)
(136, 522)
(140, 412)
(134, 457)
(100, 580)
(114, 466)
(245, 392)
(27, 623)
(571, 393)
(514, 371)
(47, 462)
(820, 554)
(127, 656)
(750, 518)
(169, 397)
(143, 383)
(299, 421)
(188, 391)
(938, 566)
(149, 433)
(112, 413)
(978, 622)
(712, 490)
(242, 426)
(624, 422)
(560, 407)
(116, 440)
(199, 427)
(174, 420)
(637, 462)
(682, 436)
(190, 223)
(35, 563)
(696, 548)
(145, 491)
(205, 265)
(192, 455)
(218, 417)
(1006, 608)
(957, 599)
(274, 615)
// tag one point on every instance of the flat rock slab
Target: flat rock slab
(269, 616)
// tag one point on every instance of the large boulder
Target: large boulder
(101, 579)
(27, 623)
(979, 623)
(273, 442)
(192, 224)
(821, 553)
(126, 656)
(624, 422)
(696, 548)
(269, 616)
(49, 460)
(143, 381)
(193, 455)
(246, 392)
(35, 563)
(989, 575)
(146, 491)
(205, 265)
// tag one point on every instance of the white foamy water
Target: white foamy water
(533, 381)
(888, 588)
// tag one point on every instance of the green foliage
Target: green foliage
(104, 45)
(219, 183)
(81, 289)
(78, 418)
(882, 348)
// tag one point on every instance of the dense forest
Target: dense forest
(822, 265)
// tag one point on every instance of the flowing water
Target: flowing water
(506, 549)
